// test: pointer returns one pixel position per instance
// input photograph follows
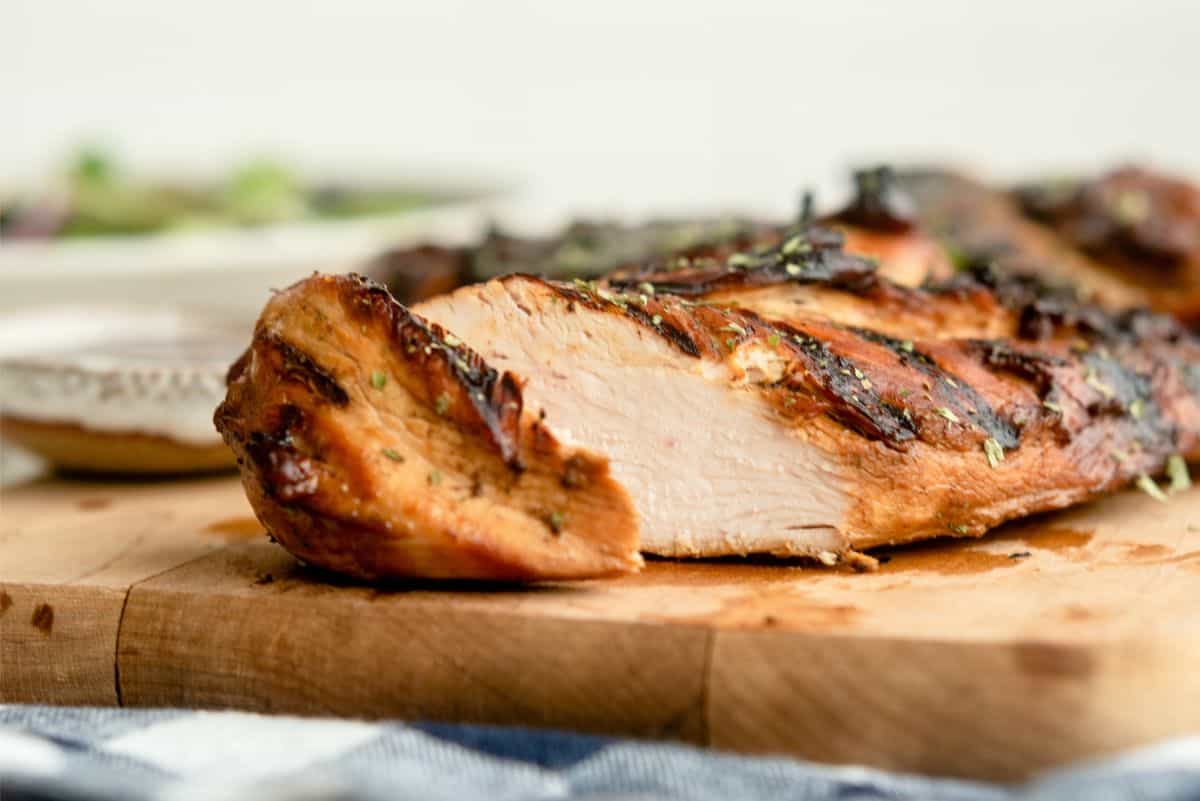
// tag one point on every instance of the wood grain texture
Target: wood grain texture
(291, 643)
(1058, 638)
(980, 710)
(69, 552)
(57, 643)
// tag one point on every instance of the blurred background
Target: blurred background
(623, 104)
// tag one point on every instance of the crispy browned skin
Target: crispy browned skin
(376, 445)
(1078, 401)
(1129, 238)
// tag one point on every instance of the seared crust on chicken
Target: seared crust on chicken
(786, 400)
(374, 444)
(1142, 225)
(843, 423)
(879, 223)
(1128, 238)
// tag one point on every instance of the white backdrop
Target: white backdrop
(619, 103)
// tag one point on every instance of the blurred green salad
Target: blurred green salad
(96, 197)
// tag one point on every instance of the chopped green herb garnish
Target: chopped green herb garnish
(796, 244)
(1137, 409)
(951, 382)
(949, 415)
(555, 521)
(858, 374)
(866, 383)
(1177, 471)
(646, 288)
(392, 454)
(451, 340)
(906, 346)
(378, 379)
(435, 478)
(731, 343)
(1148, 486)
(773, 340)
(734, 327)
(442, 404)
(1051, 406)
(656, 319)
(959, 528)
(741, 260)
(994, 451)
(792, 270)
(1119, 456)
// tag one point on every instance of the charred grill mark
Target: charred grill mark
(493, 398)
(595, 298)
(879, 203)
(834, 378)
(1115, 387)
(1132, 217)
(1044, 311)
(1043, 317)
(298, 366)
(962, 398)
(1034, 367)
(1124, 391)
(810, 255)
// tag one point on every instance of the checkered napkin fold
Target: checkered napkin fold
(102, 754)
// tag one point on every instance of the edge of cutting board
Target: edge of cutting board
(1062, 638)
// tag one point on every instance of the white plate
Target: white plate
(114, 389)
(227, 271)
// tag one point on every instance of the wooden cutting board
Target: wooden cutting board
(1055, 639)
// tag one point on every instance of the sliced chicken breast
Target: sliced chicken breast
(374, 444)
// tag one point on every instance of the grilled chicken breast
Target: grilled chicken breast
(1128, 238)
(788, 400)
(805, 432)
(375, 444)
(880, 223)
(1142, 225)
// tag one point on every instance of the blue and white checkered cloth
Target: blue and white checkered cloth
(102, 754)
